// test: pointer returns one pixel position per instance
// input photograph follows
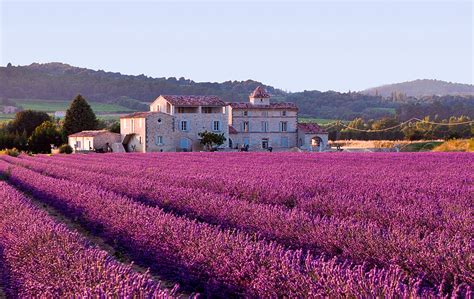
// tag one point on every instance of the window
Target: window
(283, 113)
(246, 113)
(180, 110)
(206, 109)
(265, 113)
(246, 141)
(283, 126)
(264, 126)
(78, 144)
(184, 125)
(140, 139)
(216, 125)
(284, 142)
(245, 126)
(159, 140)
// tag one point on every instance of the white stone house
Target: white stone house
(173, 124)
(88, 141)
(261, 124)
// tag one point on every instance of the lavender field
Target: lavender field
(237, 225)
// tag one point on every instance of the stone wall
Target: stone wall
(305, 142)
(200, 122)
(160, 125)
(257, 131)
(100, 141)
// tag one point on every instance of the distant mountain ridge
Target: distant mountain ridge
(422, 87)
(60, 81)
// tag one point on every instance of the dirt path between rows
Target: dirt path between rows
(99, 242)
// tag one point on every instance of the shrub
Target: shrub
(65, 149)
(456, 145)
(11, 152)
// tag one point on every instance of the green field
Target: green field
(52, 106)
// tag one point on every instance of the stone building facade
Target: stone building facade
(174, 123)
(148, 132)
(261, 124)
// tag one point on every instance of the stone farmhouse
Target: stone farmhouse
(174, 122)
(86, 141)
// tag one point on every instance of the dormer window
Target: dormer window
(246, 113)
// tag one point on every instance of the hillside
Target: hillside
(420, 88)
(61, 82)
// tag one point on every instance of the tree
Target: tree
(27, 121)
(209, 139)
(43, 136)
(114, 127)
(79, 117)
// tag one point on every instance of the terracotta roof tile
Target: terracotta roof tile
(140, 114)
(259, 92)
(90, 133)
(185, 100)
(283, 106)
(311, 128)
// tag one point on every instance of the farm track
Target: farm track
(353, 276)
(285, 240)
(42, 256)
(119, 255)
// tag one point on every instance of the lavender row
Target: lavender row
(360, 241)
(223, 261)
(43, 258)
(385, 189)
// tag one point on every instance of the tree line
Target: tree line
(56, 81)
(36, 131)
(390, 128)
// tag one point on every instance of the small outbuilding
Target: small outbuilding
(97, 140)
(311, 137)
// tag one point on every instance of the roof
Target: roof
(184, 100)
(140, 114)
(311, 128)
(92, 133)
(259, 92)
(283, 106)
(232, 130)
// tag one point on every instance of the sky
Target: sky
(294, 46)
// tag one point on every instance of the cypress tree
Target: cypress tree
(79, 117)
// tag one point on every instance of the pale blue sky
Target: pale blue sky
(291, 45)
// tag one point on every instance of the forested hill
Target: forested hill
(59, 81)
(420, 88)
(62, 81)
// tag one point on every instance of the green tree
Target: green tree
(79, 117)
(43, 136)
(27, 121)
(209, 139)
(114, 127)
